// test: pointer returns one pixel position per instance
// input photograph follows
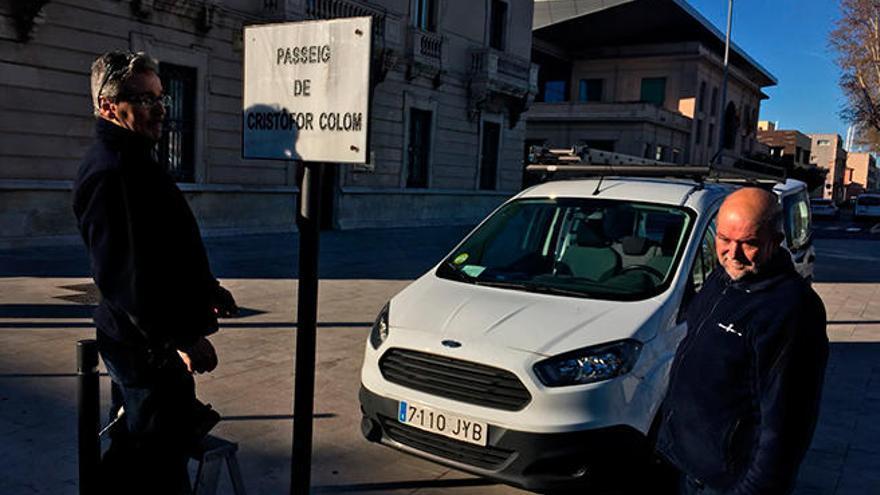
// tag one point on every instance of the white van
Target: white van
(867, 206)
(537, 352)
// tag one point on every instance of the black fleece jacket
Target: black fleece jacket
(746, 381)
(147, 256)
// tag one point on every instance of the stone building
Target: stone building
(450, 81)
(641, 77)
(827, 152)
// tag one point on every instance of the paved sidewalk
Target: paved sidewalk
(42, 291)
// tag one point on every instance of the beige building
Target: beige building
(827, 152)
(862, 174)
(450, 82)
(641, 77)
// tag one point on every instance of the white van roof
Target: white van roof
(652, 190)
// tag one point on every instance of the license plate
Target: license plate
(442, 423)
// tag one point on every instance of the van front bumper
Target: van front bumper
(595, 458)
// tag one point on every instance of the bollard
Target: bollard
(88, 409)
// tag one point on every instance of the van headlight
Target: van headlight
(589, 365)
(380, 328)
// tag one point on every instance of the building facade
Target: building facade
(449, 83)
(862, 174)
(827, 152)
(787, 145)
(644, 78)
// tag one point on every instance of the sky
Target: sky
(789, 38)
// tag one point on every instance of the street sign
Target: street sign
(306, 90)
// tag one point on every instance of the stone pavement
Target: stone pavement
(42, 291)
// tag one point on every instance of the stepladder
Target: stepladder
(211, 455)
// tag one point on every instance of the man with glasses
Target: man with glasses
(159, 299)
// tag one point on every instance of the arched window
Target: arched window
(731, 125)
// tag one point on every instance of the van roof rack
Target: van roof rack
(582, 161)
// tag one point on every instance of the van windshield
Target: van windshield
(602, 249)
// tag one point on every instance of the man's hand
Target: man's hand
(224, 303)
(200, 358)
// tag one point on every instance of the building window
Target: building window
(710, 139)
(419, 147)
(555, 91)
(498, 26)
(659, 152)
(731, 124)
(425, 14)
(698, 138)
(176, 149)
(489, 155)
(777, 151)
(713, 110)
(654, 90)
(823, 142)
(649, 151)
(701, 98)
(590, 90)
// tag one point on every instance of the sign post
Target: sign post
(306, 98)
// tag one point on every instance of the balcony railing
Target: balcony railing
(424, 48)
(504, 73)
(334, 9)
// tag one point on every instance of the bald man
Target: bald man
(746, 381)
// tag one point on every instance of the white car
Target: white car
(867, 207)
(538, 351)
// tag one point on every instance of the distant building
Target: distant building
(787, 145)
(451, 81)
(827, 152)
(862, 174)
(640, 77)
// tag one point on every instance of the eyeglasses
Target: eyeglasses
(147, 100)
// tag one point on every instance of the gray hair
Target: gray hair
(112, 70)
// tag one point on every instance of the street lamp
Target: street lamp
(723, 109)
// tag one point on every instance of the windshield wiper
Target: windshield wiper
(531, 287)
(504, 284)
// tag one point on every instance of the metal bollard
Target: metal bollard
(88, 407)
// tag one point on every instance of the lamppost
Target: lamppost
(723, 109)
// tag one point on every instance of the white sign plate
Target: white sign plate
(306, 90)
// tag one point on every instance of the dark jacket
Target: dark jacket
(746, 381)
(146, 251)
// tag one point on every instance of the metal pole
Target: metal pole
(89, 420)
(307, 220)
(723, 110)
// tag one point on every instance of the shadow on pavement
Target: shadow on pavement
(386, 254)
(847, 261)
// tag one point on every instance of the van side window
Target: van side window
(704, 263)
(705, 260)
(796, 214)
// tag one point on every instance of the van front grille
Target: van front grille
(455, 379)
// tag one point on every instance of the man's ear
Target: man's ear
(107, 109)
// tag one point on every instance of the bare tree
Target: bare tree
(856, 41)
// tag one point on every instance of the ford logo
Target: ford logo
(451, 344)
